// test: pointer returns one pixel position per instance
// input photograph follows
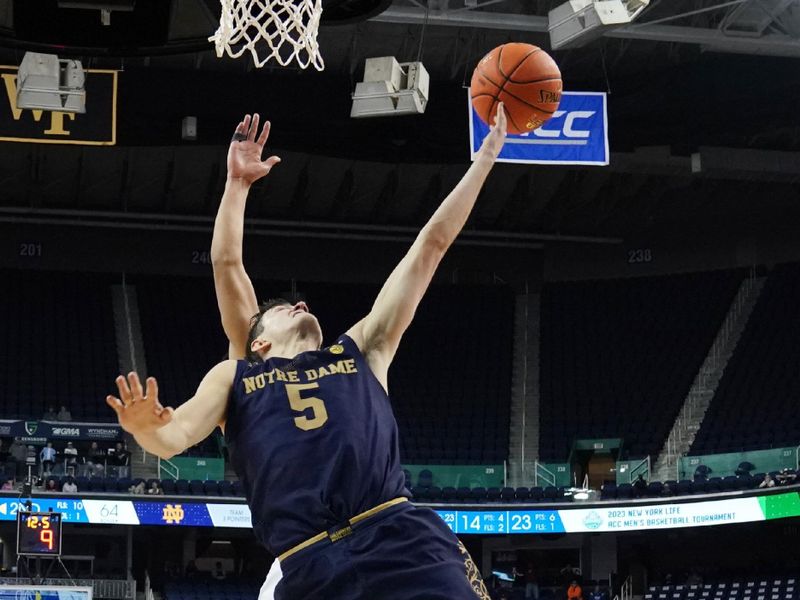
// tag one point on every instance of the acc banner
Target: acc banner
(96, 127)
(577, 134)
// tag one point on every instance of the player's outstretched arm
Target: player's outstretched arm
(379, 333)
(167, 432)
(235, 294)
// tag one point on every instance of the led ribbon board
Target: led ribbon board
(597, 518)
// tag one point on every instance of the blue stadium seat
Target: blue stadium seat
(464, 494)
(507, 494)
(225, 488)
(211, 488)
(608, 491)
(168, 485)
(625, 491)
(182, 487)
(478, 495)
(420, 494)
(551, 494)
(654, 489)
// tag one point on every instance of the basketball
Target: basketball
(524, 78)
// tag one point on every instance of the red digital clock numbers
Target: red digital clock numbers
(38, 533)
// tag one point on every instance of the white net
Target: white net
(283, 30)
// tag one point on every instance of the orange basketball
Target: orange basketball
(524, 78)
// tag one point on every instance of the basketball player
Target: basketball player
(310, 430)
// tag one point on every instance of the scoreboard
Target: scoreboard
(38, 533)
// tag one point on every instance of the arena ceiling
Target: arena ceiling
(711, 78)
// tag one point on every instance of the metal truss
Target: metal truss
(763, 27)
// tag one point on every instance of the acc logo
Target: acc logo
(593, 520)
(336, 349)
(31, 427)
(570, 129)
(173, 515)
(70, 431)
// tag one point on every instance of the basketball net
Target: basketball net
(287, 27)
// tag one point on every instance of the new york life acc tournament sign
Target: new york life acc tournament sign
(577, 134)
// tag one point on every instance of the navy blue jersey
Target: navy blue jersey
(313, 440)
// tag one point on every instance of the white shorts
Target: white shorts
(273, 579)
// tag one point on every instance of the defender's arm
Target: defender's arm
(167, 432)
(379, 333)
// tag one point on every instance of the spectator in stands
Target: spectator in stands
(8, 485)
(137, 488)
(71, 454)
(51, 486)
(219, 572)
(569, 573)
(597, 594)
(191, 569)
(155, 489)
(96, 460)
(531, 583)
(639, 486)
(786, 477)
(17, 453)
(48, 458)
(121, 459)
(64, 414)
(50, 414)
(702, 472)
(69, 486)
(768, 482)
(574, 591)
(666, 489)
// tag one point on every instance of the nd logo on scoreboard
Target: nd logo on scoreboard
(173, 514)
(97, 127)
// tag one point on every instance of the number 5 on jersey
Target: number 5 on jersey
(301, 405)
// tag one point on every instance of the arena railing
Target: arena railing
(543, 473)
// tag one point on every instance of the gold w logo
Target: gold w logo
(173, 514)
(56, 118)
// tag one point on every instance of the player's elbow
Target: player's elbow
(436, 239)
(225, 258)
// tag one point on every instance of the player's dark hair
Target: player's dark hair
(256, 327)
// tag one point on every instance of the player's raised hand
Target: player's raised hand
(138, 412)
(244, 154)
(494, 140)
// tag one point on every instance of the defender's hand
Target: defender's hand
(139, 412)
(494, 140)
(244, 154)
